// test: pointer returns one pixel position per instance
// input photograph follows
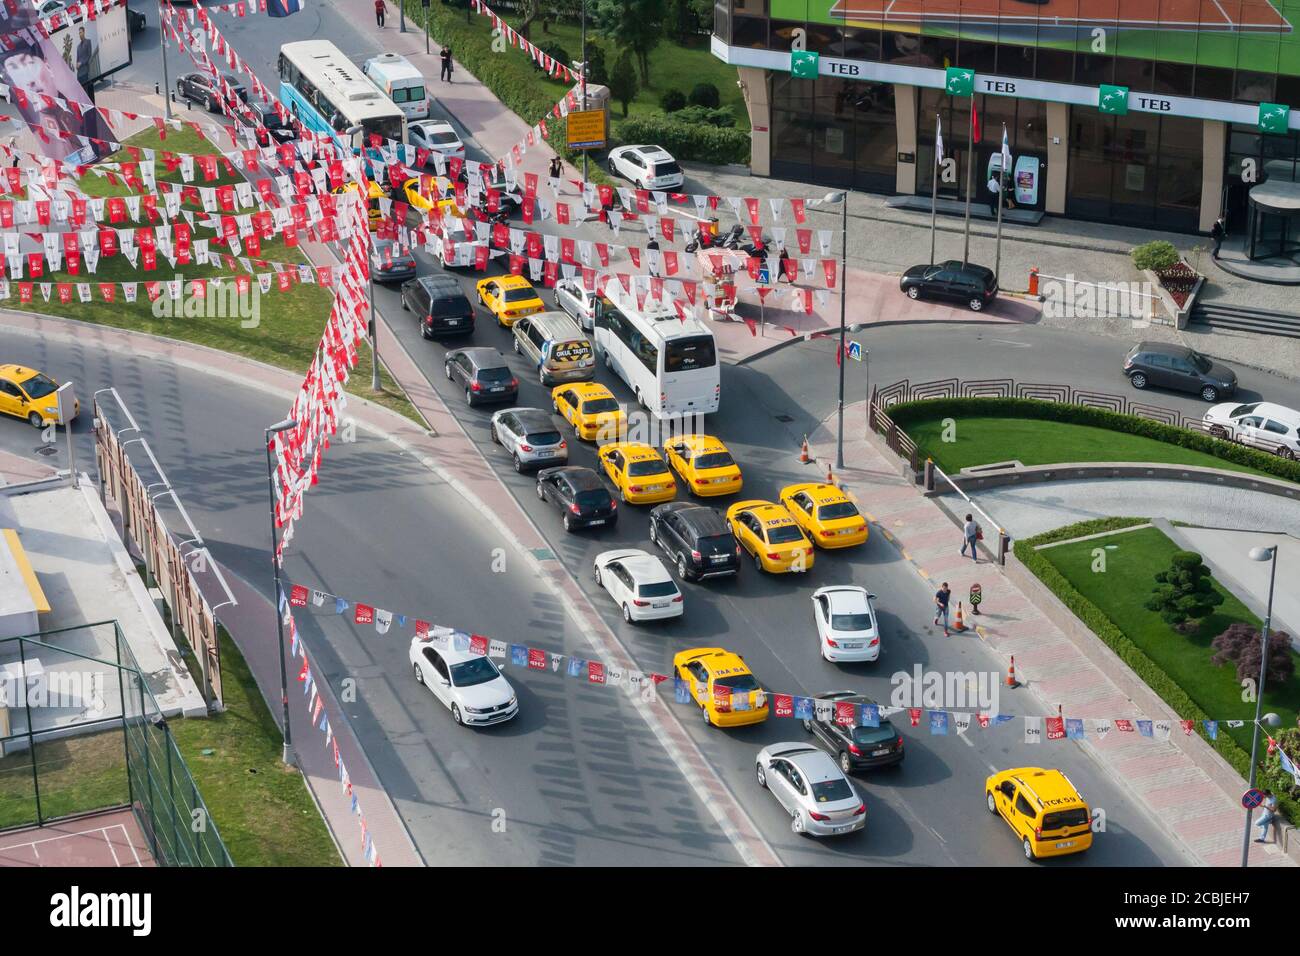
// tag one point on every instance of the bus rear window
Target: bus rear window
(684, 355)
(1065, 818)
(388, 127)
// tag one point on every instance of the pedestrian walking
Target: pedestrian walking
(652, 256)
(941, 606)
(1267, 817)
(1217, 232)
(970, 535)
(379, 13)
(446, 63)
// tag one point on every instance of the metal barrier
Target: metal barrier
(1116, 300)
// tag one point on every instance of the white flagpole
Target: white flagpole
(1002, 189)
(934, 186)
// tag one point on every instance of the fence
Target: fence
(175, 565)
(81, 734)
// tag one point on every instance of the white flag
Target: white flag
(938, 141)
(1033, 730)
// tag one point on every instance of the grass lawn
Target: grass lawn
(982, 440)
(1132, 560)
(77, 775)
(289, 324)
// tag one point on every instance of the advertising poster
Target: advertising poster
(92, 49)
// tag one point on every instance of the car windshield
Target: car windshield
(660, 589)
(739, 682)
(784, 534)
(872, 735)
(494, 375)
(839, 509)
(684, 355)
(1202, 364)
(478, 670)
(1243, 410)
(639, 469)
(851, 622)
(667, 169)
(520, 295)
(831, 791)
(451, 303)
(592, 498)
(715, 459)
(595, 406)
(441, 137)
(544, 438)
(1076, 817)
(38, 386)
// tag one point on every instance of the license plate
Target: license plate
(846, 531)
(597, 521)
(718, 558)
(1066, 845)
(660, 604)
(453, 321)
(844, 828)
(853, 647)
(721, 481)
(880, 753)
(497, 388)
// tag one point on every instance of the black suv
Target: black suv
(270, 130)
(856, 748)
(1180, 368)
(579, 494)
(483, 373)
(974, 285)
(440, 304)
(697, 538)
(198, 88)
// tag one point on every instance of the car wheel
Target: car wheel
(704, 712)
(1218, 431)
(913, 292)
(447, 368)
(519, 465)
(761, 774)
(846, 764)
(1210, 393)
(758, 561)
(518, 351)
(469, 397)
(211, 107)
(35, 420)
(993, 806)
(541, 378)
(976, 305)
(405, 307)
(654, 535)
(419, 674)
(807, 725)
(568, 526)
(797, 824)
(455, 715)
(627, 614)
(555, 406)
(425, 333)
(1138, 380)
(681, 567)
(492, 433)
(1028, 848)
(1287, 453)
(541, 493)
(595, 571)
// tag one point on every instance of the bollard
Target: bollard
(929, 474)
(1033, 281)
(976, 597)
(1004, 545)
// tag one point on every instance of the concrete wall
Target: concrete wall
(1214, 144)
(1058, 156)
(905, 122)
(759, 105)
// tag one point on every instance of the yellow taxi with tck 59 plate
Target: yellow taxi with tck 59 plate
(826, 514)
(767, 532)
(27, 393)
(509, 297)
(704, 465)
(590, 408)
(638, 472)
(1044, 810)
(721, 683)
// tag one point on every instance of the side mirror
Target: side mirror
(444, 682)
(871, 597)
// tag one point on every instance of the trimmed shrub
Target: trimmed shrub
(1184, 593)
(557, 53)
(597, 72)
(672, 100)
(704, 116)
(1155, 256)
(623, 84)
(1239, 644)
(704, 144)
(705, 94)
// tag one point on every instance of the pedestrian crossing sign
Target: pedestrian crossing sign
(855, 351)
(804, 64)
(1274, 118)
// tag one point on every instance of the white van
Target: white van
(400, 82)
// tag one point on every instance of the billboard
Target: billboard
(1255, 35)
(93, 49)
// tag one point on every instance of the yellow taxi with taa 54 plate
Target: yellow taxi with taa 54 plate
(704, 464)
(590, 408)
(1043, 808)
(722, 684)
(638, 472)
(509, 297)
(826, 514)
(770, 535)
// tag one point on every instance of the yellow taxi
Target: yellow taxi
(440, 194)
(509, 297)
(1043, 808)
(721, 683)
(767, 532)
(27, 393)
(826, 514)
(373, 194)
(590, 408)
(704, 465)
(638, 472)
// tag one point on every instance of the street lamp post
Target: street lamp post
(843, 199)
(287, 753)
(1259, 554)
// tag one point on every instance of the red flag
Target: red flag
(844, 713)
(365, 614)
(797, 206)
(536, 658)
(595, 672)
(298, 596)
(1055, 728)
(914, 715)
(422, 629)
(974, 121)
(752, 205)
(478, 644)
(783, 705)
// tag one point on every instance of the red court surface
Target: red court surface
(102, 839)
(1217, 15)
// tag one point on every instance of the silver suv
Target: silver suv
(530, 436)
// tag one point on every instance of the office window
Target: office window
(750, 32)
(862, 44)
(1254, 87)
(1174, 79)
(902, 48)
(1055, 66)
(1212, 83)
(1015, 60)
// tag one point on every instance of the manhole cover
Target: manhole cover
(47, 450)
(785, 418)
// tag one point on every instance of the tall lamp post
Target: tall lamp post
(1270, 555)
(843, 199)
(287, 753)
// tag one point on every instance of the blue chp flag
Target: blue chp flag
(284, 8)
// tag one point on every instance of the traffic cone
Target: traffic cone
(961, 622)
(804, 457)
(1011, 674)
(830, 477)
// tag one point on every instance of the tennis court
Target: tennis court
(101, 840)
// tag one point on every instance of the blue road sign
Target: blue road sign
(764, 277)
(855, 351)
(1252, 798)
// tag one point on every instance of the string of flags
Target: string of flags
(552, 66)
(174, 289)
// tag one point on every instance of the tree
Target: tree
(622, 82)
(528, 11)
(1185, 593)
(634, 25)
(1240, 645)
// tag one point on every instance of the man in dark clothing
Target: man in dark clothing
(941, 606)
(379, 12)
(446, 63)
(84, 54)
(1217, 232)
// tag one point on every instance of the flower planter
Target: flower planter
(1177, 289)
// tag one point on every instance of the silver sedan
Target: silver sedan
(813, 790)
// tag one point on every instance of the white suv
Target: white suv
(650, 167)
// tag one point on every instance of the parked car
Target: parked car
(135, 21)
(530, 436)
(483, 373)
(811, 788)
(974, 285)
(650, 167)
(270, 129)
(467, 684)
(639, 583)
(198, 88)
(580, 495)
(696, 538)
(437, 136)
(390, 261)
(1264, 425)
(855, 747)
(846, 623)
(1179, 368)
(578, 301)
(442, 308)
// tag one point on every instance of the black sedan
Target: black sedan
(856, 748)
(1164, 365)
(198, 88)
(391, 261)
(696, 538)
(440, 305)
(581, 496)
(973, 285)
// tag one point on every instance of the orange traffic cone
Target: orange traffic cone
(961, 621)
(1011, 674)
(804, 457)
(830, 476)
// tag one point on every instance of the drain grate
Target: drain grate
(46, 451)
(785, 419)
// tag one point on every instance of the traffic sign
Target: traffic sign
(764, 277)
(586, 129)
(855, 351)
(1252, 798)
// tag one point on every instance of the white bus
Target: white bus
(328, 93)
(401, 82)
(671, 365)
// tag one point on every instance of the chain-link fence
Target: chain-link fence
(81, 731)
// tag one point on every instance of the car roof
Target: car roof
(1166, 348)
(700, 443)
(970, 268)
(440, 281)
(589, 390)
(850, 696)
(702, 518)
(634, 450)
(646, 567)
(1280, 412)
(767, 512)
(484, 357)
(715, 659)
(532, 418)
(846, 598)
(653, 152)
(511, 281)
(17, 373)
(1052, 788)
(584, 479)
(454, 655)
(818, 491)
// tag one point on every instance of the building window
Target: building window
(903, 49)
(750, 32)
(721, 21)
(1054, 66)
(835, 132)
(862, 44)
(1015, 61)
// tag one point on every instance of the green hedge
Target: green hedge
(1084, 528)
(1146, 669)
(906, 412)
(705, 144)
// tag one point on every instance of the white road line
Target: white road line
(1013, 343)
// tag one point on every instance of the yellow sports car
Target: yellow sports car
(723, 686)
(509, 297)
(591, 409)
(704, 465)
(638, 472)
(767, 531)
(825, 514)
(26, 393)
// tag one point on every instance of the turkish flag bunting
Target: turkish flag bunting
(666, 227)
(752, 205)
(562, 213)
(797, 206)
(828, 266)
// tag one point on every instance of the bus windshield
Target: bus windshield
(687, 354)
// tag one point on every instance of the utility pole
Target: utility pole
(970, 166)
(844, 288)
(167, 86)
(934, 185)
(287, 753)
(583, 81)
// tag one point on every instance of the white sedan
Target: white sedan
(846, 623)
(640, 584)
(468, 684)
(436, 135)
(1264, 425)
(813, 790)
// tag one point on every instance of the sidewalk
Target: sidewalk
(1184, 783)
